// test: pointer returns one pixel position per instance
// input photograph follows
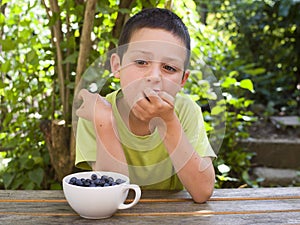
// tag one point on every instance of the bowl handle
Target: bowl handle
(137, 197)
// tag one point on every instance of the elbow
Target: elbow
(203, 195)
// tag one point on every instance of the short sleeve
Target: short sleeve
(191, 119)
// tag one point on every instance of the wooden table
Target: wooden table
(227, 206)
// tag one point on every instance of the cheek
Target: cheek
(171, 86)
(133, 90)
(129, 79)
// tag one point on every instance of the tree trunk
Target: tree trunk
(121, 19)
(203, 13)
(57, 137)
(85, 40)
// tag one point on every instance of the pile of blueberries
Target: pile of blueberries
(103, 181)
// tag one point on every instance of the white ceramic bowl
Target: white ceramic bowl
(99, 202)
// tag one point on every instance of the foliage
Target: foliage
(26, 76)
(30, 85)
(267, 34)
(243, 53)
(223, 98)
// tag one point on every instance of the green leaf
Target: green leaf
(8, 179)
(29, 186)
(2, 18)
(32, 57)
(8, 45)
(217, 110)
(5, 67)
(27, 163)
(36, 175)
(18, 182)
(4, 1)
(71, 58)
(255, 71)
(38, 160)
(247, 84)
(228, 82)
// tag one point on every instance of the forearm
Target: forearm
(196, 173)
(110, 155)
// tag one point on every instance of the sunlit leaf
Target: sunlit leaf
(247, 84)
(8, 44)
(5, 67)
(216, 110)
(228, 82)
(2, 18)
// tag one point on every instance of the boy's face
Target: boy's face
(154, 59)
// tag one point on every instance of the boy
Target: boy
(146, 130)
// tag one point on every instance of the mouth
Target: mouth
(155, 90)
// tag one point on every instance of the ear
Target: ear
(185, 76)
(115, 64)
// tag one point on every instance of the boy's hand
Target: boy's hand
(93, 104)
(155, 105)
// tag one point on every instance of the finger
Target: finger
(82, 93)
(167, 97)
(139, 112)
(151, 95)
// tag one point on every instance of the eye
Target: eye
(141, 62)
(170, 69)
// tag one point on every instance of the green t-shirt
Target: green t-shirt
(148, 162)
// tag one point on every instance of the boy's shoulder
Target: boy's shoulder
(186, 105)
(183, 99)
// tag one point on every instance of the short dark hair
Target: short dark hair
(160, 19)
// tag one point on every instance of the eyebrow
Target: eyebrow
(172, 59)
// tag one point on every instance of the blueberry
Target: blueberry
(79, 182)
(97, 181)
(120, 181)
(92, 185)
(86, 183)
(94, 176)
(72, 180)
(104, 177)
(102, 182)
(110, 180)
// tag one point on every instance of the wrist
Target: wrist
(170, 122)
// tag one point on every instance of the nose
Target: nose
(154, 73)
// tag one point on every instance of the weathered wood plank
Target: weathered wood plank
(185, 208)
(227, 206)
(256, 192)
(238, 219)
(217, 195)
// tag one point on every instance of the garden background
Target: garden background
(251, 48)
